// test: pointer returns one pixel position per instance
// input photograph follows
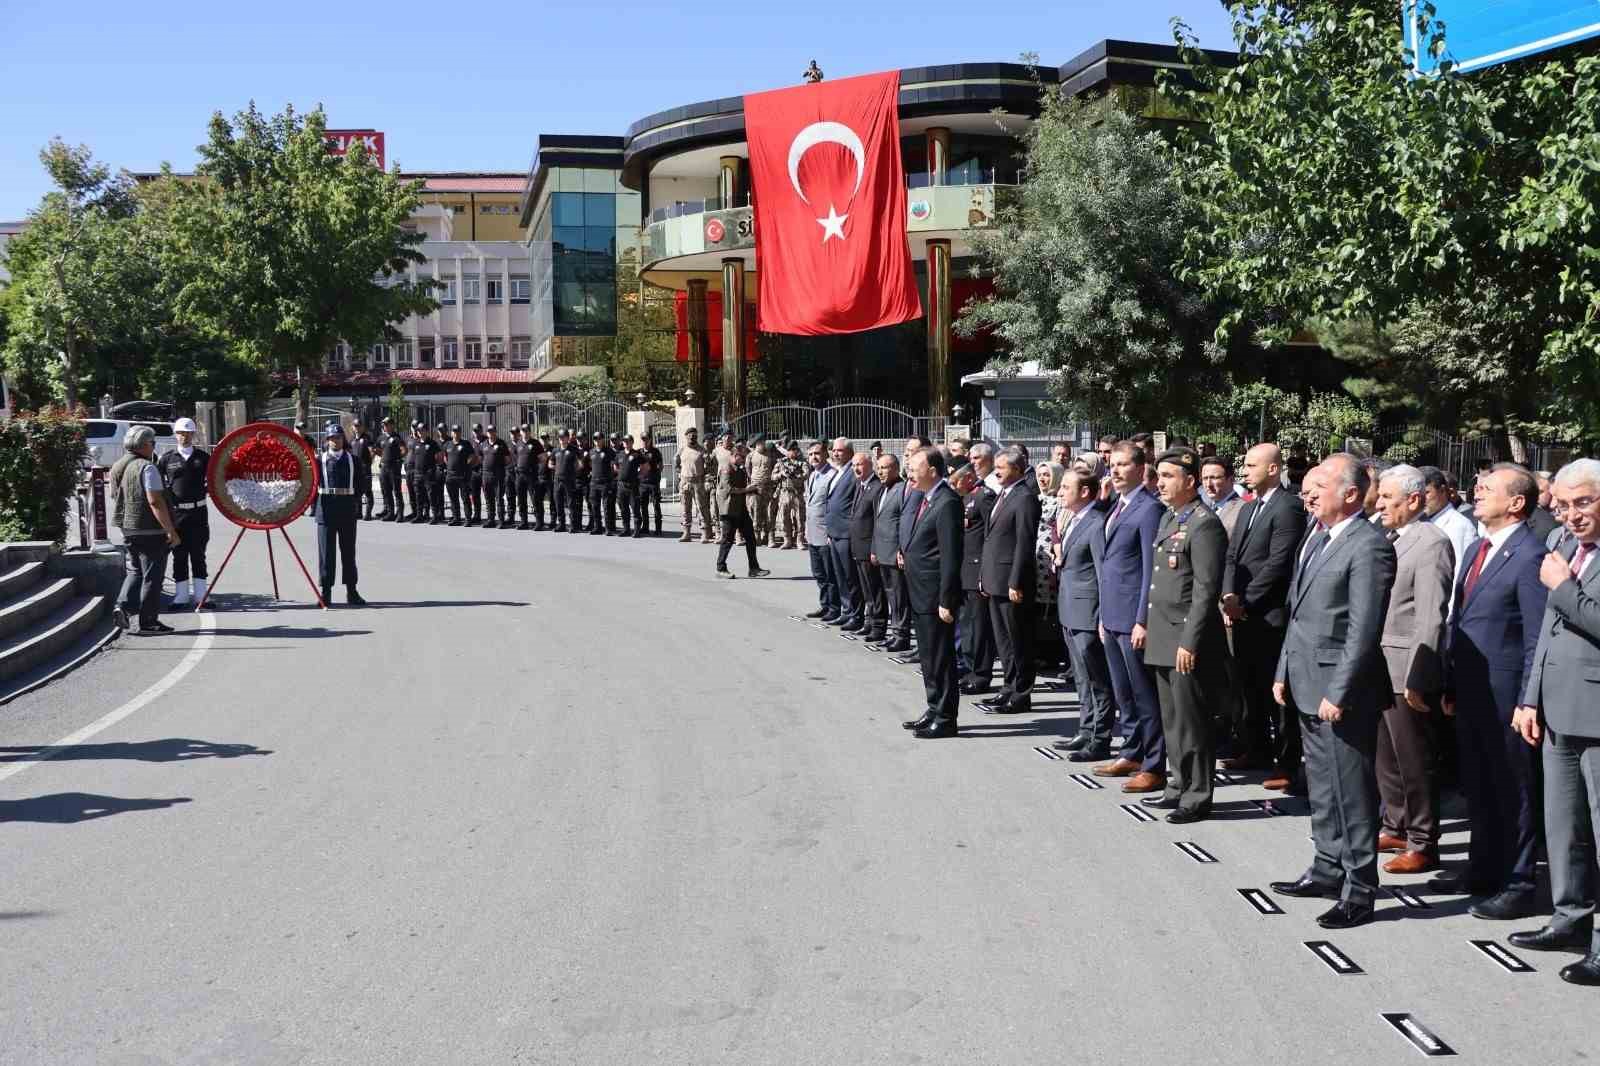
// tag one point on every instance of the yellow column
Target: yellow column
(732, 170)
(939, 312)
(733, 328)
(938, 142)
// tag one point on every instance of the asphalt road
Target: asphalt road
(559, 799)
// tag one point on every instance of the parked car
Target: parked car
(104, 438)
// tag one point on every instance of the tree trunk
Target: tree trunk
(71, 371)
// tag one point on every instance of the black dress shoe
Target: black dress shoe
(1090, 755)
(455, 522)
(1586, 971)
(996, 700)
(1452, 884)
(327, 596)
(817, 614)
(973, 688)
(353, 598)
(758, 572)
(1547, 939)
(1015, 705)
(1343, 915)
(1305, 888)
(1076, 743)
(936, 731)
(920, 723)
(1506, 906)
(1186, 815)
(899, 647)
(1161, 802)
(155, 629)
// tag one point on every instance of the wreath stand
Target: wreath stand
(271, 565)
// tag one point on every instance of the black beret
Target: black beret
(1182, 456)
(477, 427)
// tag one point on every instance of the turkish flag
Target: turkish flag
(830, 207)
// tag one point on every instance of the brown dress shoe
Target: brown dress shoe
(1410, 862)
(1390, 844)
(1277, 784)
(1116, 768)
(1145, 781)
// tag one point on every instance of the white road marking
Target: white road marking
(202, 644)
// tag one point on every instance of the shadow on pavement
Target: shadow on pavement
(175, 749)
(314, 632)
(65, 808)
(442, 603)
(17, 916)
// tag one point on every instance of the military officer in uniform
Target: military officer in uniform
(335, 513)
(392, 450)
(692, 487)
(495, 457)
(1185, 642)
(649, 484)
(419, 468)
(183, 469)
(759, 463)
(790, 477)
(602, 491)
(361, 452)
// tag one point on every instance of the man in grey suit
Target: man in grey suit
(841, 497)
(1413, 648)
(818, 482)
(1561, 706)
(896, 633)
(1332, 672)
(1078, 610)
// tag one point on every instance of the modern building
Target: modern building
(685, 170)
(8, 230)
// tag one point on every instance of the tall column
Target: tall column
(729, 181)
(939, 311)
(938, 142)
(699, 338)
(733, 377)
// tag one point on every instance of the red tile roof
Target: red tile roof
(426, 377)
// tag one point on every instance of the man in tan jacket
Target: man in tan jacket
(759, 463)
(1413, 639)
(692, 487)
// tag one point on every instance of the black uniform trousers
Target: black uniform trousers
(394, 502)
(474, 496)
(936, 651)
(567, 502)
(364, 488)
(436, 497)
(540, 489)
(1186, 724)
(494, 490)
(417, 485)
(602, 508)
(520, 483)
(649, 497)
(1013, 625)
(628, 501)
(336, 539)
(146, 565)
(611, 506)
(195, 530)
(457, 487)
(977, 637)
(874, 613)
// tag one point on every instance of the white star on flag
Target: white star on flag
(833, 225)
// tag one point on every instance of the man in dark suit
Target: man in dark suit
(873, 611)
(1008, 579)
(977, 635)
(1332, 672)
(1255, 594)
(1494, 632)
(836, 523)
(1127, 559)
(932, 554)
(1561, 708)
(1187, 645)
(1078, 611)
(895, 630)
(335, 508)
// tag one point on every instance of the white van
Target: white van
(104, 438)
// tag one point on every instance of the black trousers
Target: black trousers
(494, 491)
(540, 491)
(436, 497)
(611, 506)
(874, 611)
(519, 485)
(742, 525)
(146, 565)
(936, 650)
(1013, 634)
(364, 488)
(418, 487)
(602, 509)
(394, 502)
(457, 487)
(474, 497)
(1263, 731)
(339, 538)
(977, 636)
(628, 504)
(195, 530)
(649, 497)
(567, 501)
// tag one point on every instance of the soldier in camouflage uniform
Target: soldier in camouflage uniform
(759, 464)
(692, 486)
(790, 475)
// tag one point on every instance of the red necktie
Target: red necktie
(1117, 510)
(1580, 558)
(924, 507)
(1477, 567)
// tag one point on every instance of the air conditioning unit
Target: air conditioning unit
(495, 349)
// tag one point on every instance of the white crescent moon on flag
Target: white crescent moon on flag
(825, 133)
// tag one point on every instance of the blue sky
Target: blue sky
(469, 87)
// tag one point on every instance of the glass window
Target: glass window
(447, 296)
(402, 353)
(335, 364)
(568, 208)
(474, 353)
(425, 353)
(599, 209)
(599, 239)
(358, 360)
(469, 289)
(599, 180)
(521, 353)
(497, 352)
(519, 290)
(494, 291)
(569, 306)
(380, 356)
(570, 238)
(449, 354)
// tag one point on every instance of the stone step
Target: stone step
(52, 635)
(20, 614)
(21, 579)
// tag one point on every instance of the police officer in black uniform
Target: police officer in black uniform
(628, 460)
(419, 468)
(335, 510)
(475, 479)
(583, 477)
(459, 459)
(393, 450)
(496, 457)
(541, 478)
(436, 480)
(361, 452)
(564, 480)
(602, 488)
(525, 455)
(611, 489)
(184, 471)
(649, 484)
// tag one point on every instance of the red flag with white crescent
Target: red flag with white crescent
(830, 207)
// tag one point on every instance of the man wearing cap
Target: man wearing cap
(139, 508)
(692, 486)
(459, 459)
(361, 452)
(602, 488)
(335, 512)
(419, 468)
(474, 491)
(618, 450)
(183, 470)
(649, 484)
(436, 470)
(565, 476)
(733, 494)
(542, 496)
(392, 450)
(1185, 642)
(759, 464)
(495, 456)
(526, 452)
(628, 462)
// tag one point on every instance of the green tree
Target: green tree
(585, 389)
(290, 249)
(396, 406)
(1085, 262)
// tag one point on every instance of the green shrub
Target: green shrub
(40, 459)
